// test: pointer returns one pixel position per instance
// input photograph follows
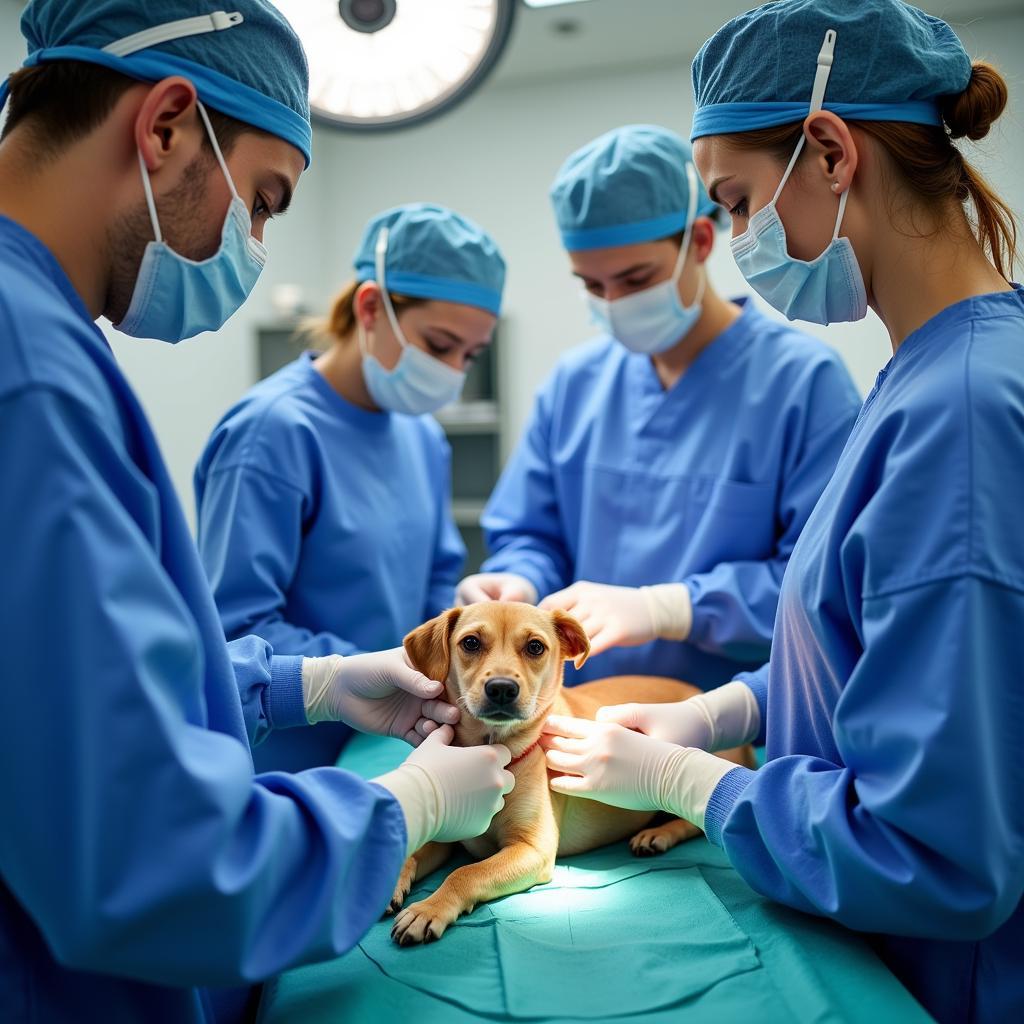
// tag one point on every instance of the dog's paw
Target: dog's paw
(650, 843)
(421, 923)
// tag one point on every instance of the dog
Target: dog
(503, 664)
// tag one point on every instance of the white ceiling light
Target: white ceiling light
(388, 63)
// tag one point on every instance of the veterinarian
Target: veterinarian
(669, 465)
(325, 524)
(891, 800)
(140, 857)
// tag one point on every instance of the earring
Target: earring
(835, 186)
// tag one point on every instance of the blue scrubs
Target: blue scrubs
(708, 484)
(140, 857)
(891, 800)
(324, 529)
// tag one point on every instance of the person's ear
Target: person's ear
(429, 645)
(165, 120)
(702, 239)
(832, 146)
(367, 304)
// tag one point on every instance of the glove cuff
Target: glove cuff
(318, 679)
(670, 609)
(420, 799)
(734, 713)
(690, 778)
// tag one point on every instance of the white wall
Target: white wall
(493, 158)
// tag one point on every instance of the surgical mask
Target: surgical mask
(177, 298)
(653, 320)
(418, 383)
(825, 290)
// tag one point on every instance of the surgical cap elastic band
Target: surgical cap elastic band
(582, 239)
(229, 97)
(730, 118)
(441, 289)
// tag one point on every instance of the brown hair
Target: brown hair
(63, 101)
(340, 323)
(929, 165)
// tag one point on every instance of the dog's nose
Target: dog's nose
(501, 691)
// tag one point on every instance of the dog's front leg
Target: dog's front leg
(423, 862)
(512, 869)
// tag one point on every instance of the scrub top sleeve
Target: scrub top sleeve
(758, 683)
(449, 552)
(734, 604)
(250, 541)
(919, 830)
(521, 522)
(270, 688)
(144, 846)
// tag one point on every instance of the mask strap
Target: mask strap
(842, 210)
(821, 75)
(691, 216)
(147, 187)
(216, 148)
(381, 260)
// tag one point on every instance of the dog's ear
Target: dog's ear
(428, 645)
(573, 638)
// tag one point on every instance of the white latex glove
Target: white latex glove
(449, 793)
(616, 766)
(625, 616)
(495, 586)
(379, 693)
(716, 720)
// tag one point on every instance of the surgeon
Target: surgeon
(324, 496)
(670, 464)
(891, 799)
(146, 872)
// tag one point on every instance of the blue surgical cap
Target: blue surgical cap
(434, 253)
(243, 57)
(629, 185)
(892, 62)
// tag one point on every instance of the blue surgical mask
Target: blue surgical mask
(177, 298)
(825, 290)
(654, 320)
(418, 383)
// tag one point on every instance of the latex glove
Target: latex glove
(495, 586)
(716, 720)
(625, 616)
(449, 793)
(605, 762)
(379, 693)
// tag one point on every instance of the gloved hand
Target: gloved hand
(716, 720)
(625, 616)
(379, 693)
(495, 586)
(449, 793)
(616, 766)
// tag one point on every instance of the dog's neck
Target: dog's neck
(519, 737)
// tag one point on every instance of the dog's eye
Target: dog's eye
(535, 648)
(470, 644)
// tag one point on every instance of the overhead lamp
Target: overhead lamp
(379, 64)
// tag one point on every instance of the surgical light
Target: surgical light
(377, 64)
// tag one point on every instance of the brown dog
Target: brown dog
(502, 663)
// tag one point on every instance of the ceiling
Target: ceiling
(618, 34)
